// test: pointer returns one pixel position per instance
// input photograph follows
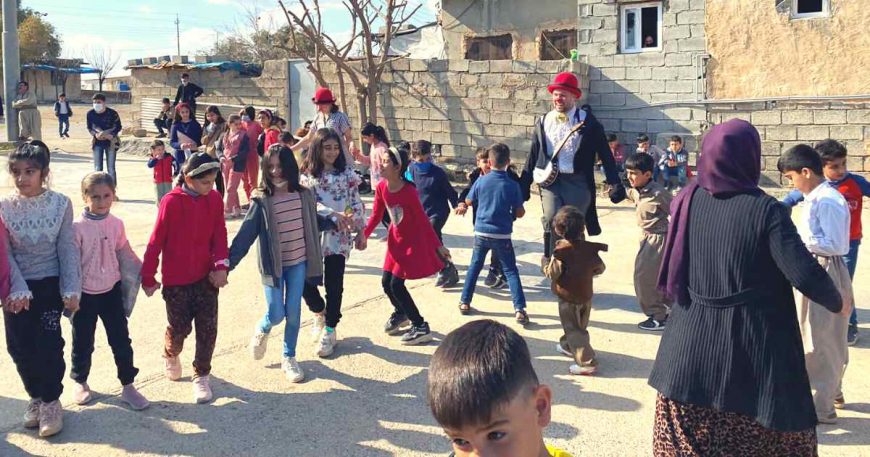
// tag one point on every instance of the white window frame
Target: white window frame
(825, 12)
(639, 36)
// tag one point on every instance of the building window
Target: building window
(810, 8)
(497, 47)
(557, 44)
(641, 27)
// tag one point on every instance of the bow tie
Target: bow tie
(561, 118)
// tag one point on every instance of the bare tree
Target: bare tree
(366, 77)
(102, 59)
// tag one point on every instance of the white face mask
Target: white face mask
(183, 82)
(99, 107)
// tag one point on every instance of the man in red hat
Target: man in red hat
(575, 183)
(328, 116)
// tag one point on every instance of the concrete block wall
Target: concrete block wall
(460, 105)
(268, 89)
(785, 124)
(623, 86)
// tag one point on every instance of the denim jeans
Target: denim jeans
(62, 124)
(851, 260)
(109, 153)
(505, 252)
(285, 303)
(679, 171)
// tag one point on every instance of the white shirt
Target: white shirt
(824, 222)
(555, 131)
(64, 108)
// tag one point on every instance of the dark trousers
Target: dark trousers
(195, 303)
(162, 124)
(109, 308)
(62, 124)
(35, 343)
(333, 279)
(401, 299)
(438, 223)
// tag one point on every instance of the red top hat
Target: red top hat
(566, 81)
(323, 96)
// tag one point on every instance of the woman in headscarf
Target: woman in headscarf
(730, 367)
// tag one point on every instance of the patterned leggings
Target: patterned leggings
(195, 303)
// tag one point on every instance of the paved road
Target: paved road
(369, 398)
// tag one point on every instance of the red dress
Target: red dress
(411, 241)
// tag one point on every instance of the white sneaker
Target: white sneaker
(201, 390)
(327, 343)
(292, 369)
(258, 344)
(317, 327)
(31, 415)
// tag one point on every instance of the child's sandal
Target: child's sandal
(522, 317)
(464, 309)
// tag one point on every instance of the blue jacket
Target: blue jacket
(434, 189)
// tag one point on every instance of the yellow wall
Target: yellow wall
(757, 52)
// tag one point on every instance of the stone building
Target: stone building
(792, 67)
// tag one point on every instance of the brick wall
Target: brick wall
(460, 105)
(785, 124)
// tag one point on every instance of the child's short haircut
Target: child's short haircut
(165, 100)
(95, 178)
(234, 118)
(799, 157)
(482, 153)
(478, 369)
(830, 150)
(569, 223)
(642, 138)
(99, 96)
(157, 144)
(677, 139)
(61, 95)
(421, 148)
(611, 137)
(287, 138)
(500, 154)
(640, 162)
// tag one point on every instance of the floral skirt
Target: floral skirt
(682, 429)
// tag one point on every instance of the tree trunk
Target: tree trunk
(100, 80)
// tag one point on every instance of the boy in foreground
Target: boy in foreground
(485, 394)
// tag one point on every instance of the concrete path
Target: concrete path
(369, 398)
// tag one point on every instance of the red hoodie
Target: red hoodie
(192, 235)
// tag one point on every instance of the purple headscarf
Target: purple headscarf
(730, 163)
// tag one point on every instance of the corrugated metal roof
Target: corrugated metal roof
(44, 67)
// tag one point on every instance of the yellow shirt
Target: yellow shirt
(557, 452)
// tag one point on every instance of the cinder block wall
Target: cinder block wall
(785, 124)
(624, 86)
(266, 90)
(460, 105)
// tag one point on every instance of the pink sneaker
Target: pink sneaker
(50, 418)
(82, 393)
(31, 415)
(173, 368)
(132, 397)
(201, 390)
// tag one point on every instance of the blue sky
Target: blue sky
(144, 28)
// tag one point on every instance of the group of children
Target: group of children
(668, 164)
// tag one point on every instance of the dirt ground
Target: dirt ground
(369, 398)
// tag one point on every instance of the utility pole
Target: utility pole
(177, 36)
(11, 66)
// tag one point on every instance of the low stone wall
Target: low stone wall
(785, 124)
(112, 97)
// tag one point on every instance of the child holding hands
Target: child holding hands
(191, 234)
(413, 249)
(99, 236)
(45, 279)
